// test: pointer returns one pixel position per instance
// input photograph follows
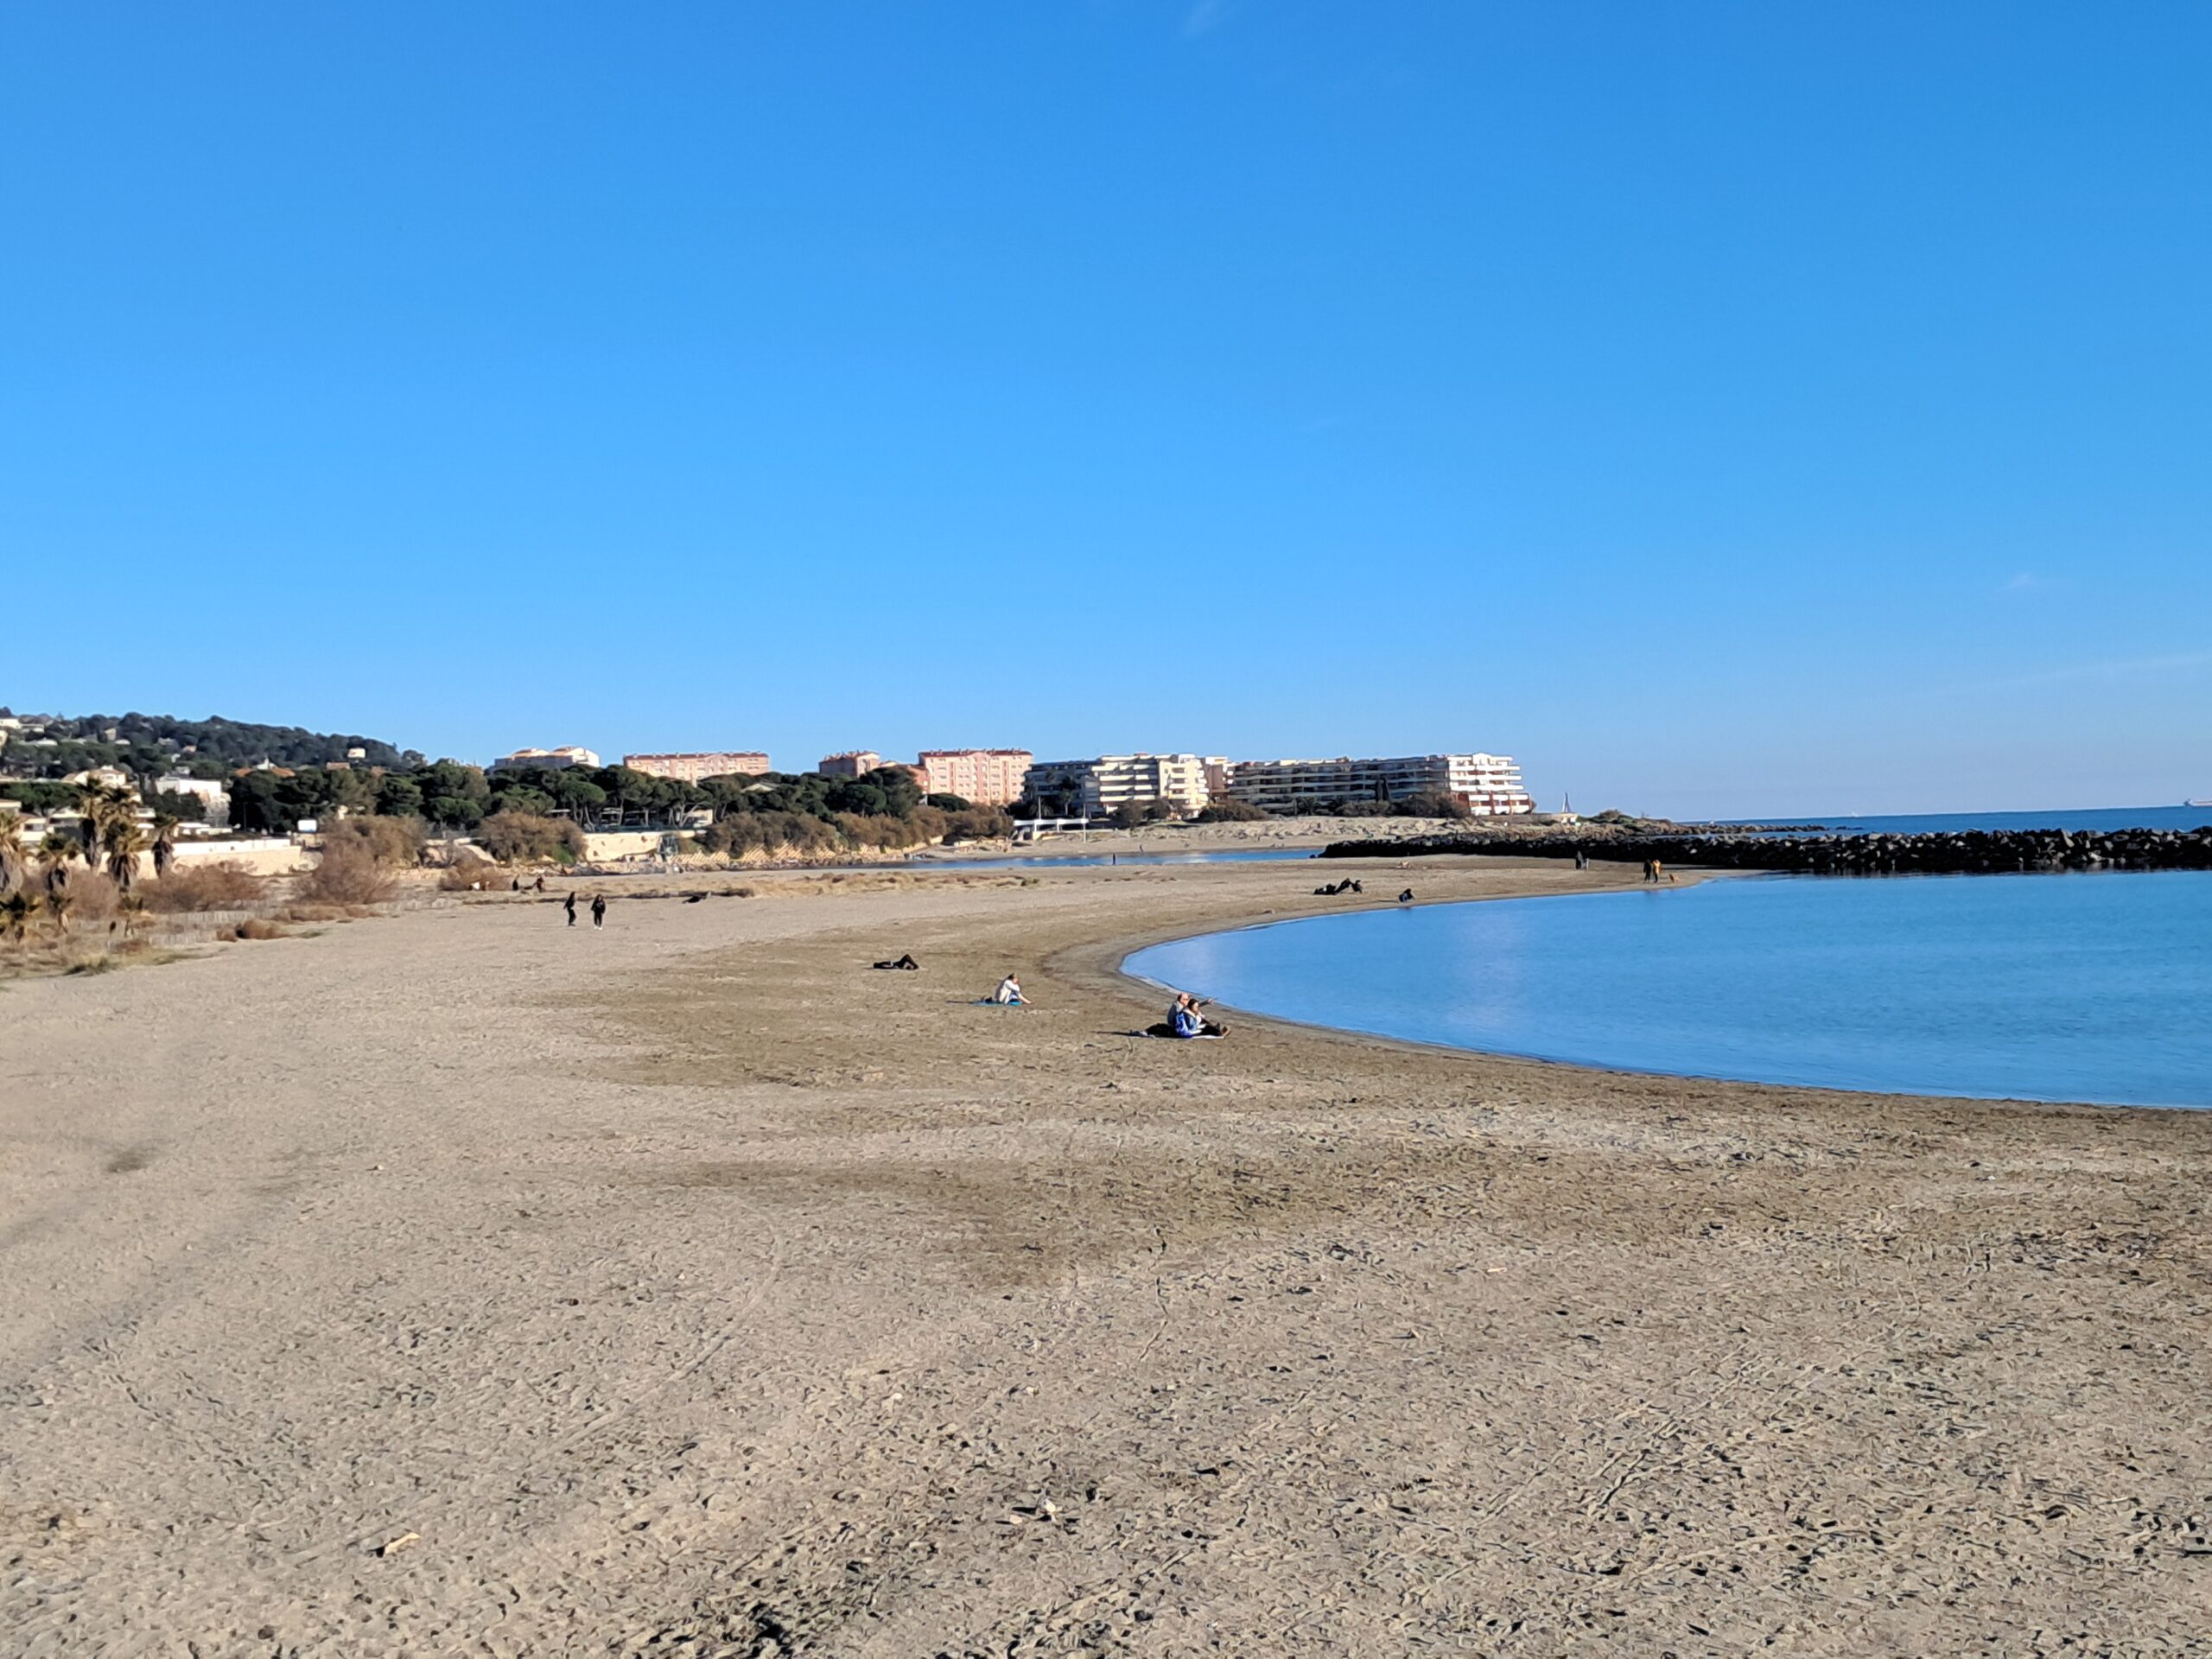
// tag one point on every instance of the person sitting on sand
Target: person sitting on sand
(1184, 1020)
(1008, 994)
(1407, 897)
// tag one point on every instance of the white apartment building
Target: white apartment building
(985, 777)
(214, 794)
(547, 759)
(1094, 788)
(1489, 783)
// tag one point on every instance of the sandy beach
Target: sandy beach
(460, 1282)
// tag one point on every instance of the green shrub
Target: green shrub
(1432, 803)
(979, 824)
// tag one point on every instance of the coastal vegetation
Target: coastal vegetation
(203, 888)
(149, 746)
(347, 874)
(540, 814)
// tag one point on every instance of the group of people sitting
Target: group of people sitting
(1183, 1017)
(1184, 1020)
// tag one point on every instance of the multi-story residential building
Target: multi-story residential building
(852, 763)
(212, 793)
(1093, 788)
(108, 777)
(986, 777)
(1489, 783)
(546, 760)
(690, 768)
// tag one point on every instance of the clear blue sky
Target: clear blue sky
(1726, 409)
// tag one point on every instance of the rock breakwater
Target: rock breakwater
(1974, 852)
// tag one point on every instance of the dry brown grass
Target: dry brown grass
(254, 928)
(323, 912)
(467, 875)
(91, 898)
(203, 886)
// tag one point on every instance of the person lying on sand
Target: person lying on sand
(906, 962)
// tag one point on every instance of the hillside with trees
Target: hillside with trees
(279, 775)
(146, 745)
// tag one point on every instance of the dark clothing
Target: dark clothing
(570, 906)
(599, 912)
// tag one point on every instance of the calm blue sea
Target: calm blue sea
(2087, 988)
(1070, 861)
(1937, 824)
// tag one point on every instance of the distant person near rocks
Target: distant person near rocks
(569, 905)
(599, 910)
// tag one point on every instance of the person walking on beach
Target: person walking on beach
(569, 905)
(599, 910)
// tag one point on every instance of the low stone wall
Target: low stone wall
(607, 846)
(274, 856)
(1969, 852)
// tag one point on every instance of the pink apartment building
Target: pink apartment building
(987, 777)
(690, 768)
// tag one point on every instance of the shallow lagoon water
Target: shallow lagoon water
(2086, 987)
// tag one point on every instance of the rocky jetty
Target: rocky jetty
(1974, 852)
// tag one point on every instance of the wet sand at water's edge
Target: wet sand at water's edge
(458, 1282)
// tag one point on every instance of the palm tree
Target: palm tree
(53, 856)
(15, 861)
(96, 810)
(165, 825)
(126, 840)
(17, 912)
